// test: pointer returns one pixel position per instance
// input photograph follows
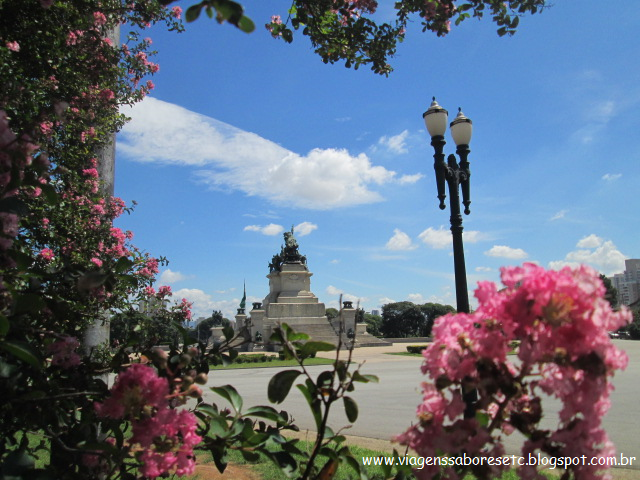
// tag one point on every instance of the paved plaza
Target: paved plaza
(387, 408)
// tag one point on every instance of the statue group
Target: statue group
(288, 253)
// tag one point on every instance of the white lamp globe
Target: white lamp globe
(435, 119)
(461, 129)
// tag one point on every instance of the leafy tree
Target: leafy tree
(612, 292)
(406, 319)
(203, 329)
(344, 30)
(332, 313)
(633, 329)
(374, 324)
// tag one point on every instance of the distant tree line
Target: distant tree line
(400, 319)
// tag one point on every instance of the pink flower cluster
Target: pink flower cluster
(63, 352)
(176, 12)
(559, 322)
(166, 436)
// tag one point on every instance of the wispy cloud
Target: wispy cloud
(559, 215)
(484, 269)
(229, 158)
(593, 250)
(503, 251)
(395, 143)
(611, 177)
(270, 230)
(400, 241)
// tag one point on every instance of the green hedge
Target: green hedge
(416, 348)
(261, 358)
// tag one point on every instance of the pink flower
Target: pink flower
(63, 352)
(99, 18)
(164, 291)
(96, 261)
(149, 291)
(276, 19)
(46, 128)
(176, 12)
(559, 321)
(46, 3)
(46, 254)
(136, 387)
(13, 46)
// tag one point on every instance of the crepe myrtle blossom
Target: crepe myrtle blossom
(558, 321)
(163, 437)
(63, 352)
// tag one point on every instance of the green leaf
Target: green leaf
(286, 462)
(355, 465)
(263, 411)
(358, 377)
(123, 264)
(193, 12)
(351, 409)
(209, 410)
(24, 352)
(280, 385)
(231, 394)
(228, 332)
(311, 348)
(314, 403)
(482, 418)
(246, 24)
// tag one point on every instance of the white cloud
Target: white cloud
(433, 238)
(304, 228)
(484, 269)
(230, 158)
(611, 177)
(333, 291)
(600, 254)
(502, 251)
(271, 229)
(410, 179)
(441, 238)
(335, 261)
(400, 241)
(169, 276)
(396, 143)
(590, 241)
(416, 298)
(559, 215)
(384, 300)
(472, 236)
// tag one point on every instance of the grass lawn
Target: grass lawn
(405, 354)
(274, 363)
(266, 470)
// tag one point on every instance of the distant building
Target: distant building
(628, 283)
(375, 312)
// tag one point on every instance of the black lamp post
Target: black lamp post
(455, 175)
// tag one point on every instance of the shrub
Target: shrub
(416, 348)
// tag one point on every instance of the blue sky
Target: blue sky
(245, 136)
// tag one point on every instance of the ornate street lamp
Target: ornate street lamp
(455, 175)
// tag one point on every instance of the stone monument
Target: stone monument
(291, 301)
